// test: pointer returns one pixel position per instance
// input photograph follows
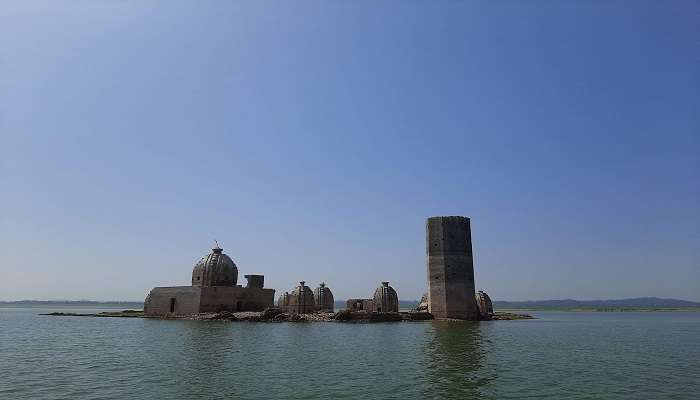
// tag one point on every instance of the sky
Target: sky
(312, 139)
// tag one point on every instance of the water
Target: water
(559, 356)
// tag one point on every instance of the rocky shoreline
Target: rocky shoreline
(277, 315)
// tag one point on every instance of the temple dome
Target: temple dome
(324, 298)
(301, 300)
(215, 269)
(386, 299)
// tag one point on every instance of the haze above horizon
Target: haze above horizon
(313, 139)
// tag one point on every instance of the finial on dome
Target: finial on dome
(385, 283)
(302, 283)
(323, 284)
(217, 249)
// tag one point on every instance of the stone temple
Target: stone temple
(299, 301)
(214, 289)
(385, 300)
(324, 298)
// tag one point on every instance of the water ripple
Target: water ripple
(561, 355)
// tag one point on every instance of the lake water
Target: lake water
(561, 355)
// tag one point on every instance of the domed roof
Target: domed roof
(386, 299)
(301, 300)
(324, 298)
(215, 269)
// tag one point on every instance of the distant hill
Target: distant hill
(639, 302)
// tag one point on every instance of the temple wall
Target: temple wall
(360, 304)
(235, 298)
(177, 300)
(188, 300)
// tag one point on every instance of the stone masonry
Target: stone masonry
(450, 268)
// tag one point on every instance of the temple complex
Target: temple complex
(214, 289)
(450, 269)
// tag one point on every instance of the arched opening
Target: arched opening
(172, 304)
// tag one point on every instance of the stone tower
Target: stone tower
(450, 268)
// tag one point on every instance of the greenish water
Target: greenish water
(562, 355)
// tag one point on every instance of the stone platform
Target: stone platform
(277, 315)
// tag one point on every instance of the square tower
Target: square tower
(450, 268)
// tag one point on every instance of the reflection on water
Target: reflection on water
(455, 359)
(561, 355)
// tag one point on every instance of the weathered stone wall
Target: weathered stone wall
(450, 268)
(188, 300)
(235, 298)
(360, 304)
(255, 281)
(159, 301)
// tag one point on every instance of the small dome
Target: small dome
(324, 298)
(301, 300)
(386, 299)
(483, 302)
(215, 269)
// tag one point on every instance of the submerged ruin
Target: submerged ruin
(215, 291)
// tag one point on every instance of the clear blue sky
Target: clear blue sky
(312, 139)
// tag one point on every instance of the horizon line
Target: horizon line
(414, 300)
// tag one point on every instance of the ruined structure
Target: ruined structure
(386, 299)
(283, 301)
(450, 285)
(450, 268)
(213, 289)
(323, 297)
(301, 300)
(422, 304)
(483, 302)
(360, 304)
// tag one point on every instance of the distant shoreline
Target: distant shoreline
(604, 309)
(59, 303)
(642, 304)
